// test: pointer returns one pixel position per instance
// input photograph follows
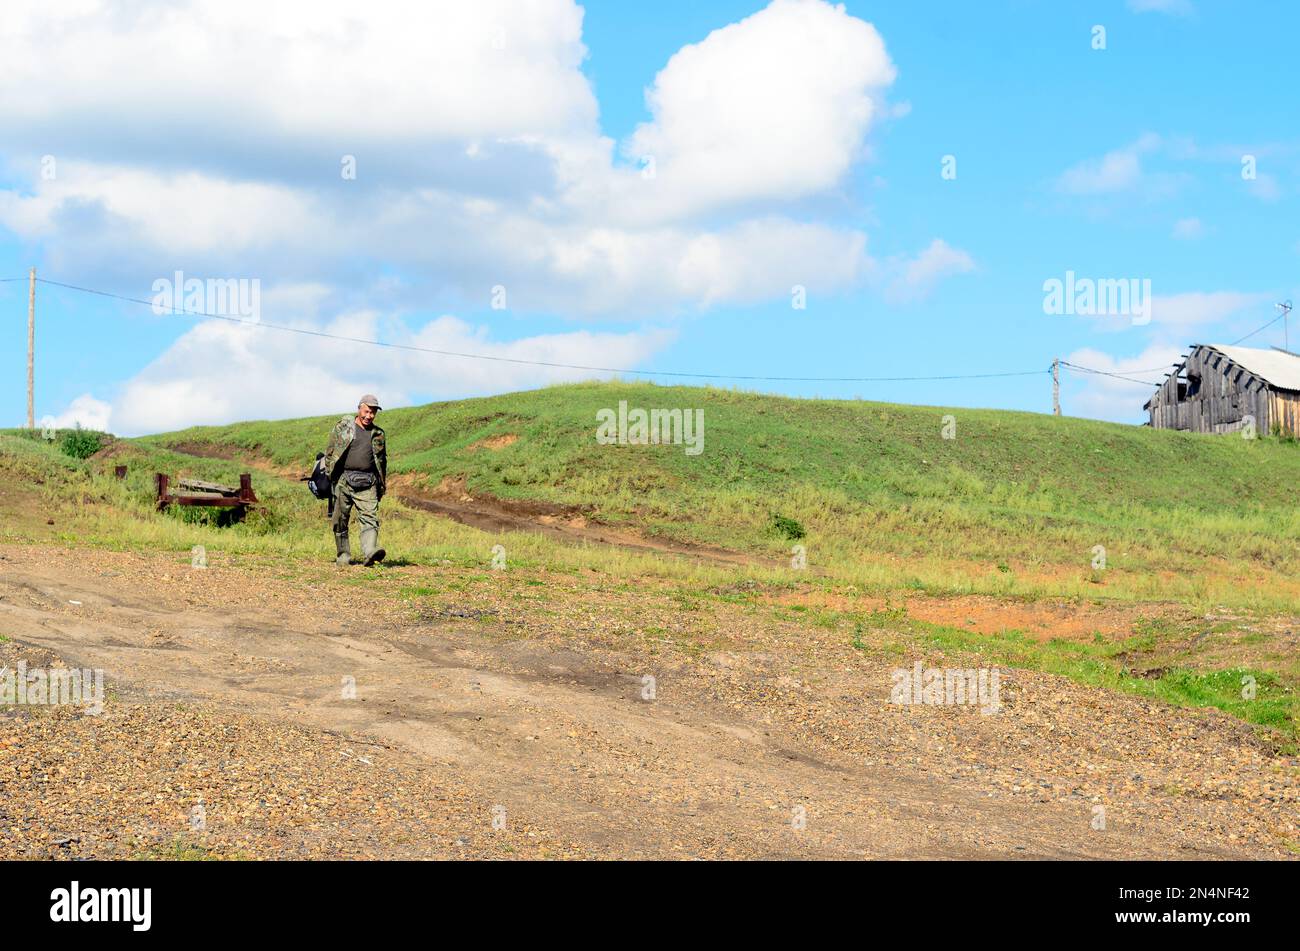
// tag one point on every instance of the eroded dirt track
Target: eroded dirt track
(487, 513)
(518, 704)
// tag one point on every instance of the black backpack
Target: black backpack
(319, 480)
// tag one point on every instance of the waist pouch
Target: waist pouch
(359, 481)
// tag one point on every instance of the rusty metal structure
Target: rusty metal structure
(194, 492)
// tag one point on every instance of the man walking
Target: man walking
(357, 462)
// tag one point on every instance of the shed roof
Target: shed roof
(1279, 368)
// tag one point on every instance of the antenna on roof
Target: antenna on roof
(1285, 307)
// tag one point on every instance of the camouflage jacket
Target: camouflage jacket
(337, 451)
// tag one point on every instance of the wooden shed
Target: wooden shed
(1217, 387)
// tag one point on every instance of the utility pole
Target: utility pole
(1056, 387)
(31, 349)
(1285, 307)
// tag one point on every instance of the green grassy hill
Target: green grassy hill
(886, 508)
(1014, 502)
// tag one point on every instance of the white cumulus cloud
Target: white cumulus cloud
(221, 372)
(1123, 385)
(1118, 170)
(218, 137)
(475, 136)
(775, 106)
(84, 411)
(914, 278)
(1199, 308)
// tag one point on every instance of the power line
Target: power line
(1253, 332)
(1075, 366)
(1157, 369)
(542, 363)
(621, 370)
(1165, 366)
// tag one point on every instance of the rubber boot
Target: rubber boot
(343, 548)
(369, 549)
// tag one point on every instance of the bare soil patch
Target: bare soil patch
(251, 459)
(1042, 620)
(452, 499)
(533, 699)
(204, 450)
(496, 442)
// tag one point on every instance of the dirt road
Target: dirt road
(518, 718)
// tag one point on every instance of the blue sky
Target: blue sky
(796, 144)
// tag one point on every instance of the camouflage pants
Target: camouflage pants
(366, 502)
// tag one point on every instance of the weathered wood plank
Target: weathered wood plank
(1209, 393)
(197, 485)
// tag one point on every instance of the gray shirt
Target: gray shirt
(360, 455)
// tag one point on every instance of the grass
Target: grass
(1272, 703)
(1015, 503)
(183, 849)
(1013, 507)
